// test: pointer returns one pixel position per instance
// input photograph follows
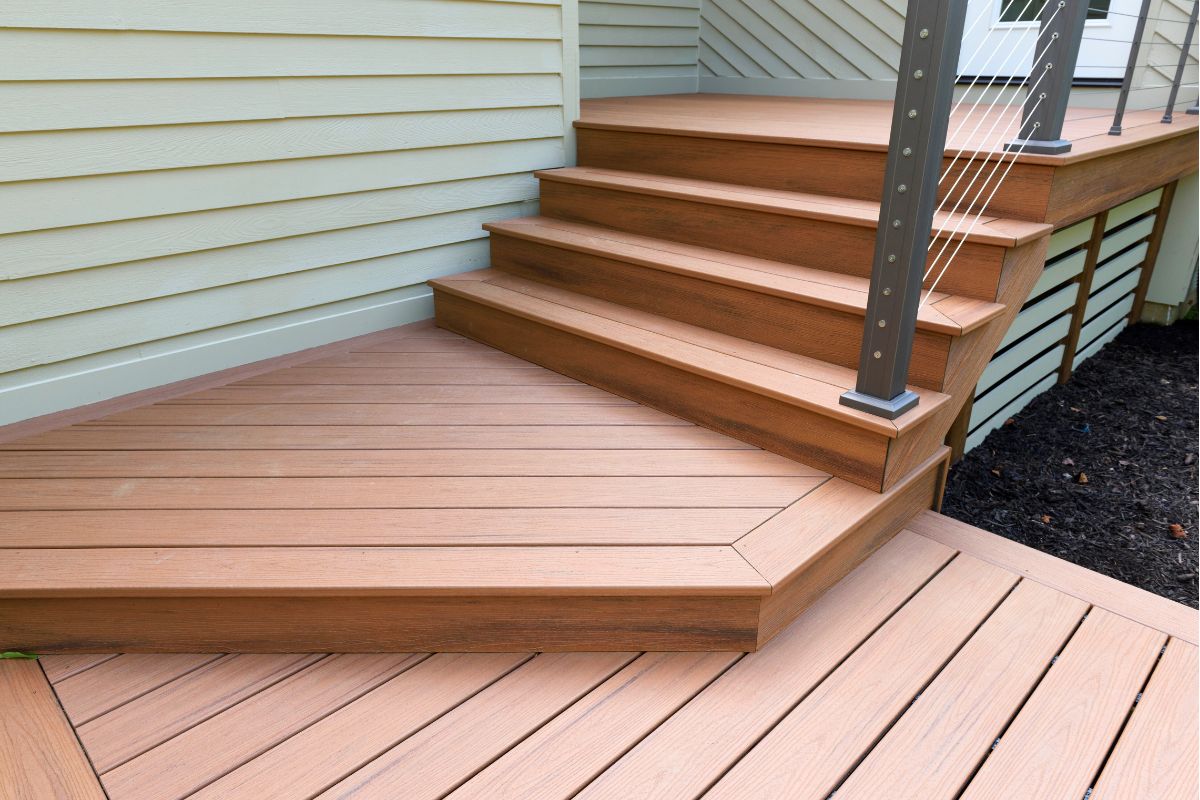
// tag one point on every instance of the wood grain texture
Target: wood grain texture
(433, 761)
(140, 724)
(566, 753)
(431, 527)
(935, 746)
(819, 169)
(813, 747)
(1061, 736)
(902, 720)
(207, 751)
(1155, 758)
(1128, 601)
(409, 571)
(763, 233)
(42, 758)
(59, 667)
(362, 730)
(382, 624)
(749, 699)
(89, 694)
(32, 494)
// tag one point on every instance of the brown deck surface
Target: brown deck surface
(865, 124)
(417, 438)
(896, 684)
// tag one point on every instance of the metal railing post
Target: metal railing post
(1168, 115)
(933, 32)
(1130, 67)
(1055, 54)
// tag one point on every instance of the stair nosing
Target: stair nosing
(523, 228)
(759, 199)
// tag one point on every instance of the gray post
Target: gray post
(920, 117)
(1130, 66)
(1183, 57)
(1055, 54)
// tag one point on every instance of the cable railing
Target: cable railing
(996, 121)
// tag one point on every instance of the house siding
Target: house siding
(190, 187)
(638, 47)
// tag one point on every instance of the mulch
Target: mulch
(1101, 471)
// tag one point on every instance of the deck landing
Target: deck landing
(417, 491)
(952, 663)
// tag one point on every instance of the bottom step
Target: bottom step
(359, 599)
(457, 499)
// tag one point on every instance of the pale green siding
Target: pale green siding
(638, 47)
(192, 186)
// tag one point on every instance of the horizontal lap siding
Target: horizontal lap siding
(638, 47)
(190, 187)
(1027, 362)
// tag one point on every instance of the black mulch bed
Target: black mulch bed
(1099, 471)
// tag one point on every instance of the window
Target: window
(1031, 10)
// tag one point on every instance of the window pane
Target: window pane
(1031, 10)
(1023, 10)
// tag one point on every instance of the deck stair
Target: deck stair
(738, 306)
(657, 461)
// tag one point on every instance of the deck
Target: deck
(416, 490)
(952, 663)
(838, 147)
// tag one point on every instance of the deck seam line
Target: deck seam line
(1004, 728)
(924, 687)
(825, 675)
(71, 724)
(1112, 746)
(201, 665)
(225, 657)
(617, 758)
(487, 685)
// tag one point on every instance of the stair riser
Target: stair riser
(840, 172)
(836, 246)
(846, 451)
(812, 330)
(921, 490)
(479, 623)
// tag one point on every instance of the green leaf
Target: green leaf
(15, 654)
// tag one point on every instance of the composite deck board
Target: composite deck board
(391, 571)
(817, 743)
(34, 494)
(130, 729)
(1156, 756)
(393, 414)
(58, 668)
(396, 463)
(1060, 737)
(857, 124)
(440, 756)
(901, 676)
(360, 731)
(224, 742)
(947, 733)
(405, 527)
(420, 393)
(440, 376)
(381, 437)
(122, 679)
(39, 754)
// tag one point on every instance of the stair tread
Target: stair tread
(942, 313)
(794, 379)
(865, 213)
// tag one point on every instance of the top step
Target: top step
(833, 147)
